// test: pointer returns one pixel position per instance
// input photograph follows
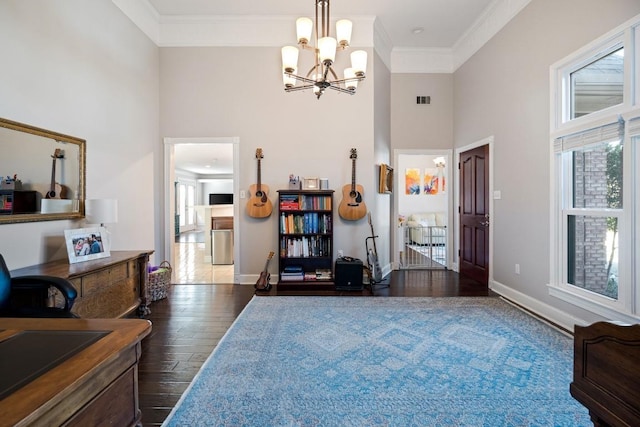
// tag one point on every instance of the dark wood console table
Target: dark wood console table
(95, 384)
(107, 287)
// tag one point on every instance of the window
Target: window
(595, 134)
(598, 85)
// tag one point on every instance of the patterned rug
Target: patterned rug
(354, 361)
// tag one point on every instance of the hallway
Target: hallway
(190, 265)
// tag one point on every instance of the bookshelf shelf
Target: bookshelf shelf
(305, 232)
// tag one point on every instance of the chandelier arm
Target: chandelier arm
(298, 88)
(354, 79)
(341, 89)
(302, 79)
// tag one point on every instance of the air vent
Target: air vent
(423, 100)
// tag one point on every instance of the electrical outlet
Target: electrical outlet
(517, 268)
(340, 253)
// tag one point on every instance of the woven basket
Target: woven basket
(159, 281)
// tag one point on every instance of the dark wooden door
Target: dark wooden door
(474, 214)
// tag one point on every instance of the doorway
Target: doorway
(429, 194)
(475, 204)
(194, 168)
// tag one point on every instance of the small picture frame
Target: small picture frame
(310, 184)
(86, 244)
(386, 179)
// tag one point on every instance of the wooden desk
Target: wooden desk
(107, 287)
(96, 386)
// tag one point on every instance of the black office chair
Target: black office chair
(26, 296)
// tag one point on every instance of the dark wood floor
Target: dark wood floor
(190, 322)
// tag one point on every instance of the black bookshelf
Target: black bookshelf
(305, 236)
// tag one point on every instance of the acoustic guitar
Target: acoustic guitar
(259, 205)
(352, 205)
(263, 281)
(55, 190)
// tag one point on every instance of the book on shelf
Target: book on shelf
(289, 202)
(305, 223)
(293, 278)
(323, 274)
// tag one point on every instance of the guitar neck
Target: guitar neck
(53, 175)
(258, 185)
(353, 175)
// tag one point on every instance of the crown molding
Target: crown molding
(252, 31)
(489, 23)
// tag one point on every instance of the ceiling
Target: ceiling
(450, 28)
(443, 22)
(205, 160)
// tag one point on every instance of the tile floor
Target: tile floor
(190, 267)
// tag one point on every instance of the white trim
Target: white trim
(626, 307)
(143, 15)
(538, 307)
(495, 17)
(252, 30)
(591, 305)
(560, 69)
(169, 196)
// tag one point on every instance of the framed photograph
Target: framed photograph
(85, 244)
(310, 184)
(386, 179)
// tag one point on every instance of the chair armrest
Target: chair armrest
(36, 281)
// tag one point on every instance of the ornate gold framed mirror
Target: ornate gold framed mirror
(42, 174)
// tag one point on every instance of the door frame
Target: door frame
(398, 186)
(170, 196)
(456, 241)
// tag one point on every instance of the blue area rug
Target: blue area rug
(357, 361)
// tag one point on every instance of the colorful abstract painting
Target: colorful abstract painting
(434, 181)
(412, 181)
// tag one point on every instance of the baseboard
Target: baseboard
(551, 314)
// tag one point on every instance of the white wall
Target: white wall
(83, 69)
(411, 203)
(503, 90)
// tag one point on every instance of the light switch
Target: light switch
(497, 195)
(243, 194)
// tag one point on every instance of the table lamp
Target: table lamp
(101, 211)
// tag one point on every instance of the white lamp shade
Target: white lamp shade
(327, 47)
(289, 58)
(343, 32)
(351, 82)
(303, 29)
(101, 211)
(359, 62)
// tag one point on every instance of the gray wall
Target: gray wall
(416, 126)
(213, 92)
(503, 90)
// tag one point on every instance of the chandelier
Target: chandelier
(322, 76)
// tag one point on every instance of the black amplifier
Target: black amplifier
(348, 274)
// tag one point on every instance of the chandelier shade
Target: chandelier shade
(321, 74)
